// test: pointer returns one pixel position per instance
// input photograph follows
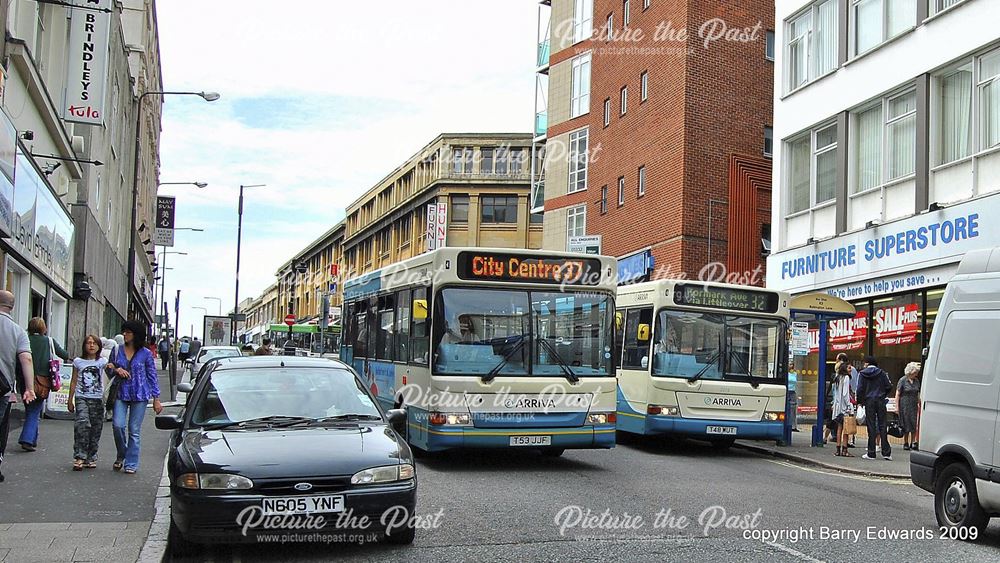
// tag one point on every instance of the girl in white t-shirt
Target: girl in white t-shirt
(86, 398)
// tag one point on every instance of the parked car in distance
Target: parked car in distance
(287, 437)
(208, 353)
(958, 459)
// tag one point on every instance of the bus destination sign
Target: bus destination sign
(528, 269)
(726, 298)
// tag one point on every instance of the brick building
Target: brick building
(655, 131)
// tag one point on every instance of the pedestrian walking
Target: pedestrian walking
(86, 399)
(43, 351)
(15, 352)
(185, 351)
(265, 348)
(843, 405)
(793, 398)
(908, 404)
(194, 348)
(163, 348)
(873, 390)
(136, 385)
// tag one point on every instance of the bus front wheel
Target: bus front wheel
(723, 443)
(553, 452)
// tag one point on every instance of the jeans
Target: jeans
(875, 416)
(164, 356)
(32, 417)
(4, 423)
(127, 423)
(87, 428)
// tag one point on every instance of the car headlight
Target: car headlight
(214, 481)
(384, 474)
(774, 416)
(662, 410)
(602, 418)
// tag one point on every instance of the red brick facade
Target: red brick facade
(699, 135)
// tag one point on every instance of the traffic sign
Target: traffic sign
(289, 319)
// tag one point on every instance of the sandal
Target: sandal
(847, 453)
(130, 471)
(118, 465)
(837, 453)
(90, 465)
(77, 465)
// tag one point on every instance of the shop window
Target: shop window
(897, 326)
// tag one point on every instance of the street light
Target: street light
(162, 266)
(239, 239)
(219, 299)
(208, 97)
(198, 185)
(202, 322)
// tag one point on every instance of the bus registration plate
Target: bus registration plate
(302, 505)
(724, 430)
(531, 440)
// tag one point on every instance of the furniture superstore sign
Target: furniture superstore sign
(929, 241)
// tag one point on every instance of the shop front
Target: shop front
(894, 275)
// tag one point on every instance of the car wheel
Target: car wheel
(553, 452)
(178, 544)
(403, 536)
(723, 444)
(956, 503)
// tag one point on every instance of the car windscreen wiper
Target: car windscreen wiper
(271, 421)
(568, 371)
(491, 375)
(347, 417)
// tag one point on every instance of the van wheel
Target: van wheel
(956, 503)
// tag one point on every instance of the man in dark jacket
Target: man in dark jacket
(873, 389)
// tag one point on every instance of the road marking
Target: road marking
(844, 475)
(793, 552)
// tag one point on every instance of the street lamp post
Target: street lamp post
(218, 301)
(239, 240)
(202, 321)
(208, 97)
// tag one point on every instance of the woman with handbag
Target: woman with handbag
(843, 406)
(135, 383)
(44, 352)
(908, 404)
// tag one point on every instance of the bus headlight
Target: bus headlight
(774, 417)
(450, 419)
(661, 410)
(602, 418)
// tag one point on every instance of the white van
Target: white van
(959, 459)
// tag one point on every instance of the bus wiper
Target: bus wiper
(716, 357)
(567, 371)
(506, 358)
(744, 368)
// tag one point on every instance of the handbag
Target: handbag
(116, 382)
(55, 366)
(850, 425)
(860, 417)
(894, 430)
(43, 384)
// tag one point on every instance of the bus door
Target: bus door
(633, 355)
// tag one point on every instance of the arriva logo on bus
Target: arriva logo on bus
(723, 402)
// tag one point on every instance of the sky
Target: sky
(320, 100)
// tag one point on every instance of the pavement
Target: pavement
(48, 512)
(801, 451)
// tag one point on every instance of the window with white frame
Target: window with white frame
(621, 191)
(886, 128)
(645, 4)
(968, 106)
(812, 169)
(644, 86)
(607, 112)
(578, 161)
(626, 16)
(874, 22)
(642, 181)
(936, 6)
(583, 20)
(811, 44)
(580, 89)
(624, 100)
(610, 27)
(988, 90)
(576, 221)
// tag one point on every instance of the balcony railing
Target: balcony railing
(541, 123)
(543, 54)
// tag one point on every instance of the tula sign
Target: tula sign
(87, 66)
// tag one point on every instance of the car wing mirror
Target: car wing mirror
(184, 387)
(169, 422)
(396, 416)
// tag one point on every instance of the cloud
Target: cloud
(318, 102)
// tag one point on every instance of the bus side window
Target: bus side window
(403, 325)
(360, 330)
(637, 341)
(385, 345)
(420, 330)
(619, 335)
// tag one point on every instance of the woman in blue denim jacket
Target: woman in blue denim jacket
(133, 363)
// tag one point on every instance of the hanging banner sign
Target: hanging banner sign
(897, 325)
(87, 67)
(431, 233)
(441, 226)
(163, 232)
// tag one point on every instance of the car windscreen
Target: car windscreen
(207, 355)
(253, 393)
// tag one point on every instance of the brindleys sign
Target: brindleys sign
(87, 69)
